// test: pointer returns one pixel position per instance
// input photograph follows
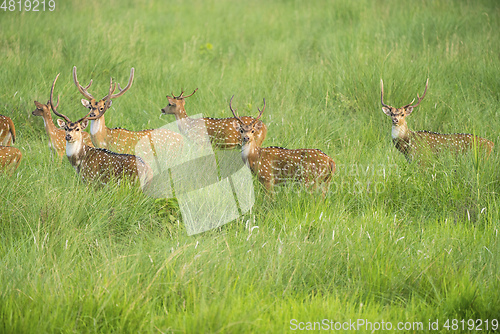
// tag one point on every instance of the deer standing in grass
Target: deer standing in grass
(56, 135)
(275, 165)
(221, 131)
(122, 140)
(415, 144)
(96, 164)
(7, 131)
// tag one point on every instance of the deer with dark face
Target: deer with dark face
(416, 144)
(57, 140)
(96, 164)
(7, 131)
(275, 165)
(122, 140)
(221, 131)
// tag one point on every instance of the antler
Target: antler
(419, 98)
(81, 89)
(122, 91)
(180, 97)
(239, 119)
(54, 108)
(190, 94)
(382, 94)
(234, 111)
(261, 111)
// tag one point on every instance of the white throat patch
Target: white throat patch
(94, 126)
(73, 148)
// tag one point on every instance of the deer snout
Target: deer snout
(68, 137)
(246, 139)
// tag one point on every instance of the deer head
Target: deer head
(398, 115)
(41, 109)
(247, 131)
(176, 103)
(98, 108)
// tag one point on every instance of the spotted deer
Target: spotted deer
(10, 158)
(275, 165)
(416, 144)
(57, 140)
(118, 139)
(7, 131)
(97, 164)
(221, 132)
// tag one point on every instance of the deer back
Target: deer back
(10, 158)
(103, 165)
(223, 135)
(277, 165)
(121, 140)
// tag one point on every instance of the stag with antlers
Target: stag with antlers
(122, 140)
(96, 164)
(415, 144)
(275, 165)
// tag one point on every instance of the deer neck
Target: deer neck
(75, 152)
(98, 132)
(400, 131)
(250, 153)
(401, 137)
(50, 128)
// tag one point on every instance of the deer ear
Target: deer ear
(258, 125)
(236, 125)
(86, 103)
(38, 105)
(408, 110)
(61, 123)
(84, 124)
(387, 111)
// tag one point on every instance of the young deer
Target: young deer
(275, 165)
(118, 139)
(96, 164)
(7, 131)
(10, 158)
(57, 136)
(220, 131)
(415, 144)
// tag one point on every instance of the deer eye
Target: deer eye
(253, 131)
(101, 108)
(241, 130)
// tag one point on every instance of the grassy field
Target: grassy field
(391, 243)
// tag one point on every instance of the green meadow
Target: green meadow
(391, 244)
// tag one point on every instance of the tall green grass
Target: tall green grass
(391, 241)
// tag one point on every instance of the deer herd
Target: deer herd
(112, 153)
